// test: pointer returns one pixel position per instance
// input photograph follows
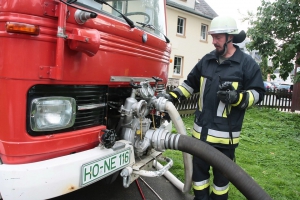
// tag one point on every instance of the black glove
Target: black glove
(227, 93)
(167, 96)
(173, 96)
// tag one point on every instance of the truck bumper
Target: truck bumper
(58, 176)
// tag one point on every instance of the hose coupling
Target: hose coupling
(125, 173)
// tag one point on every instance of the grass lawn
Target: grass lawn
(269, 151)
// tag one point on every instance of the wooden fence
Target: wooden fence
(279, 100)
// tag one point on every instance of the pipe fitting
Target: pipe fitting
(125, 173)
(158, 139)
(81, 16)
(140, 108)
(160, 104)
(161, 139)
(157, 173)
(142, 145)
(129, 104)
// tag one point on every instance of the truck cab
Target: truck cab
(79, 85)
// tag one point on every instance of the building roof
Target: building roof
(202, 9)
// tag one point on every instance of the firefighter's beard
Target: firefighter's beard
(221, 52)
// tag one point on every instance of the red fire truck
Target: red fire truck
(78, 93)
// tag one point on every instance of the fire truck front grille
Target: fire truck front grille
(91, 101)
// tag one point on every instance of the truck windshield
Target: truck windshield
(148, 15)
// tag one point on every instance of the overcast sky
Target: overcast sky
(234, 8)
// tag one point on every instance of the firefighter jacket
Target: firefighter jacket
(212, 124)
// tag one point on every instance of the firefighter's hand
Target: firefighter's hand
(230, 96)
(227, 93)
(173, 97)
(167, 96)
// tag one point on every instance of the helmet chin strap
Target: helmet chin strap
(225, 49)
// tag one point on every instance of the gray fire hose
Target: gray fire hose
(235, 174)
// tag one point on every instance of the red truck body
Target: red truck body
(45, 52)
(23, 57)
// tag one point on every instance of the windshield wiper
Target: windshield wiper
(129, 22)
(71, 1)
(152, 27)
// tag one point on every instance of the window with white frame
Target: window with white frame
(203, 32)
(180, 26)
(178, 61)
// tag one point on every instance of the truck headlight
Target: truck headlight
(52, 113)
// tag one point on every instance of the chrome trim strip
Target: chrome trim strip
(129, 79)
(91, 106)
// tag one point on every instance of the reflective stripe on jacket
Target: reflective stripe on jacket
(211, 120)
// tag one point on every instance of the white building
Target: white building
(188, 22)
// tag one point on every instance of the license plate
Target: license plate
(98, 169)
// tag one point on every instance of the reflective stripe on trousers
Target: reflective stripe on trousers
(220, 190)
(201, 176)
(201, 185)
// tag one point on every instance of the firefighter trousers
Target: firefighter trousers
(201, 176)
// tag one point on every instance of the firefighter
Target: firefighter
(228, 81)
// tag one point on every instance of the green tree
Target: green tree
(275, 32)
(265, 69)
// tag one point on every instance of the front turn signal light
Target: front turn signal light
(15, 27)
